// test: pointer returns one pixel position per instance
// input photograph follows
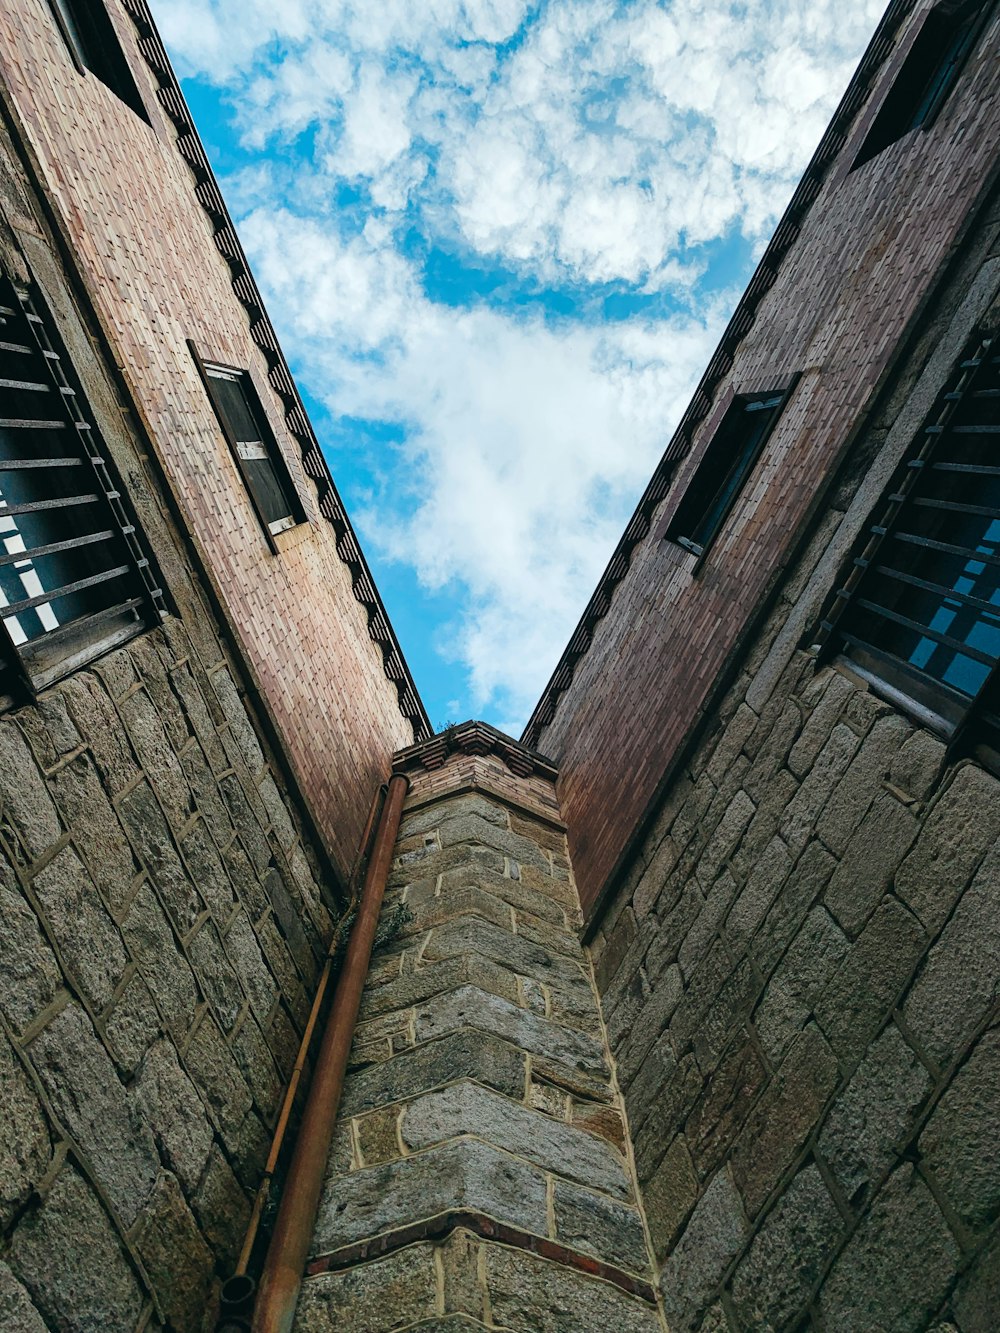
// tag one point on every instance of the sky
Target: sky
(499, 240)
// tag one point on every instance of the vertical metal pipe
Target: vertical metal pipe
(281, 1277)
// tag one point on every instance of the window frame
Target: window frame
(41, 661)
(968, 723)
(121, 81)
(950, 12)
(275, 455)
(736, 404)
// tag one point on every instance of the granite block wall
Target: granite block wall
(161, 917)
(481, 1175)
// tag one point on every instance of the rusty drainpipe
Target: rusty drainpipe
(284, 1266)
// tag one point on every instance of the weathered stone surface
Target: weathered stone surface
(470, 1054)
(151, 837)
(722, 1108)
(698, 940)
(222, 1210)
(783, 1118)
(865, 987)
(553, 902)
(805, 806)
(700, 994)
(666, 1116)
(657, 1068)
(465, 1174)
(870, 861)
(88, 939)
(29, 973)
(711, 1241)
(616, 949)
(728, 833)
(976, 1298)
(469, 1007)
(474, 829)
(245, 952)
(164, 968)
(798, 980)
(527, 1293)
(132, 1025)
(917, 766)
(960, 978)
(752, 905)
(24, 1135)
(218, 1078)
(961, 827)
(459, 1264)
(862, 783)
(377, 1137)
(97, 831)
(429, 817)
(27, 805)
(594, 1224)
(17, 1314)
(88, 1098)
(97, 718)
(170, 1106)
(728, 1013)
(175, 1257)
(960, 1144)
(207, 870)
(467, 1108)
(670, 1194)
(471, 935)
(801, 889)
(215, 973)
(821, 722)
(247, 824)
(69, 1258)
(393, 1292)
(653, 1018)
(773, 1282)
(897, 1265)
(871, 1117)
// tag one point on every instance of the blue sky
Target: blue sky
(498, 240)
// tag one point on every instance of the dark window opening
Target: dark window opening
(724, 469)
(93, 42)
(920, 611)
(928, 75)
(74, 580)
(254, 447)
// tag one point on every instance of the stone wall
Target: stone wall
(480, 1176)
(160, 922)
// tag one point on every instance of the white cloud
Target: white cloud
(575, 143)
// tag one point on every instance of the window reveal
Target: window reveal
(90, 35)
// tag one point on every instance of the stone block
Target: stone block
(177, 1260)
(666, 1115)
(669, 1196)
(959, 1144)
(820, 724)
(957, 985)
(515, 892)
(896, 1267)
(862, 782)
(97, 720)
(654, 876)
(866, 986)
(727, 1014)
(963, 824)
(475, 1055)
(145, 729)
(772, 802)
(240, 725)
(246, 821)
(248, 961)
(132, 1025)
(97, 831)
(163, 967)
(872, 1118)
(68, 1256)
(629, 1005)
(870, 861)
(207, 870)
(277, 812)
(728, 748)
(599, 1120)
(783, 1118)
(393, 1292)
(168, 1103)
(86, 1095)
(976, 1299)
(218, 1078)
(473, 829)
(651, 1020)
(591, 1223)
(471, 935)
(29, 973)
(528, 1293)
(818, 784)
(799, 891)
(814, 954)
(728, 833)
(24, 1139)
(715, 1235)
(460, 1287)
(657, 1069)
(207, 797)
(466, 1108)
(89, 941)
(27, 806)
(291, 918)
(697, 942)
(17, 1314)
(762, 887)
(152, 839)
(215, 975)
(465, 1174)
(222, 1210)
(469, 1007)
(721, 1110)
(918, 765)
(377, 1137)
(773, 1283)
(702, 991)
(429, 817)
(675, 923)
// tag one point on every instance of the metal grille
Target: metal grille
(74, 579)
(920, 610)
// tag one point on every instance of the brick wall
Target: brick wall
(480, 1175)
(123, 198)
(851, 289)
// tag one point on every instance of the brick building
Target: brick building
(683, 1010)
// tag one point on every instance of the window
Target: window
(74, 581)
(728, 461)
(928, 74)
(919, 614)
(93, 43)
(254, 447)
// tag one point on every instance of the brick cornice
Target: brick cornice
(279, 376)
(781, 243)
(474, 738)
